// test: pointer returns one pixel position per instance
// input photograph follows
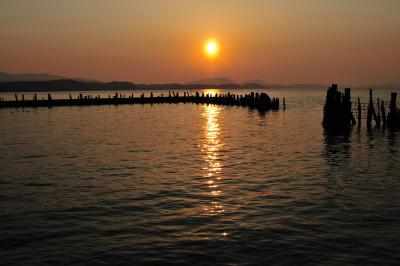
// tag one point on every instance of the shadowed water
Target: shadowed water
(202, 184)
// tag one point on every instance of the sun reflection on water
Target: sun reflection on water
(211, 147)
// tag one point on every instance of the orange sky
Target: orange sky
(304, 41)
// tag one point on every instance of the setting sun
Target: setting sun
(211, 48)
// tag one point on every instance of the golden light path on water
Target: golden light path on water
(211, 148)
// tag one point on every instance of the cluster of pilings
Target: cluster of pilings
(337, 109)
(338, 113)
(260, 101)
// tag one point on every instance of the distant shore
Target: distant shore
(74, 85)
(78, 85)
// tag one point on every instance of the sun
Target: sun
(211, 48)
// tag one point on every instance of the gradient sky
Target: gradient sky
(303, 41)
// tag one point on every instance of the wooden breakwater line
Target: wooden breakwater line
(341, 113)
(260, 101)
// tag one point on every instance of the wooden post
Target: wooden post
(393, 118)
(373, 108)
(369, 113)
(378, 116)
(284, 104)
(347, 107)
(393, 105)
(49, 100)
(359, 112)
(383, 114)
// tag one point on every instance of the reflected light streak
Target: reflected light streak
(211, 148)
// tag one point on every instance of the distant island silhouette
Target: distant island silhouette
(8, 77)
(48, 82)
(30, 82)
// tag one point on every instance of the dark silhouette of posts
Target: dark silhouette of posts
(337, 109)
(261, 101)
(348, 115)
(378, 115)
(49, 100)
(371, 112)
(383, 113)
(359, 114)
(393, 105)
(393, 118)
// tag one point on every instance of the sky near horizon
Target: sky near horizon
(286, 41)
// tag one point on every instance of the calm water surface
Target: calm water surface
(200, 184)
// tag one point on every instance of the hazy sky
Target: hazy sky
(303, 41)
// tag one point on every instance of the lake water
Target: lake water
(196, 184)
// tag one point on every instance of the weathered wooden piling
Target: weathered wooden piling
(371, 112)
(383, 114)
(348, 115)
(378, 115)
(393, 104)
(359, 114)
(393, 118)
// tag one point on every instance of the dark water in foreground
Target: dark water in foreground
(196, 184)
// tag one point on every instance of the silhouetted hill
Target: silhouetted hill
(63, 85)
(7, 77)
(75, 85)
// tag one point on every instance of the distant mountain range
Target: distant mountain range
(7, 77)
(63, 85)
(49, 82)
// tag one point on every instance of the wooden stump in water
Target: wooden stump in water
(393, 118)
(378, 115)
(383, 113)
(284, 104)
(359, 112)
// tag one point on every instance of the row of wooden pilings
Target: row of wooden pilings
(338, 111)
(260, 101)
